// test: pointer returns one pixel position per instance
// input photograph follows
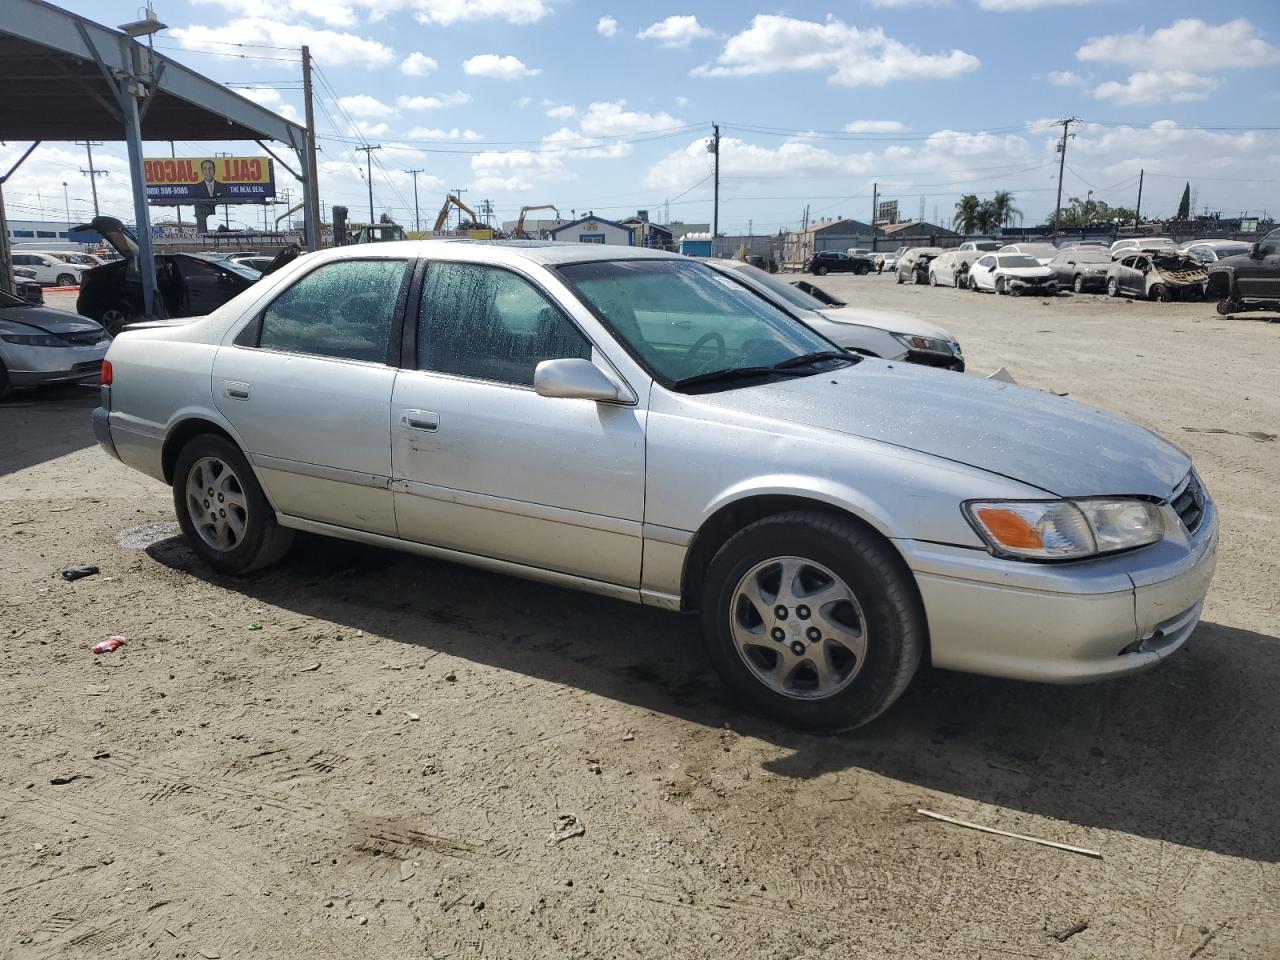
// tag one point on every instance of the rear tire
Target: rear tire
(1227, 307)
(115, 317)
(239, 533)
(851, 623)
(820, 271)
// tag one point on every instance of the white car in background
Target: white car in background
(1129, 244)
(980, 246)
(1012, 273)
(887, 334)
(952, 268)
(49, 268)
(1042, 253)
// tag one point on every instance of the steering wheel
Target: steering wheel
(703, 341)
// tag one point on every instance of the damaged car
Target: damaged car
(914, 263)
(1082, 268)
(1250, 281)
(1158, 274)
(1012, 273)
(952, 268)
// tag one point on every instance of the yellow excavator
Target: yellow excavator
(519, 232)
(451, 201)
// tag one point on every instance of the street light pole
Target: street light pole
(67, 202)
(417, 221)
(368, 164)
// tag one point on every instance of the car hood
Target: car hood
(1027, 273)
(1063, 447)
(49, 320)
(890, 320)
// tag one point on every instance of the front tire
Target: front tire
(813, 619)
(1077, 284)
(67, 280)
(1161, 294)
(6, 386)
(1000, 286)
(973, 284)
(222, 510)
(820, 271)
(1113, 287)
(933, 279)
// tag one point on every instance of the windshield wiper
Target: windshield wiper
(738, 373)
(818, 355)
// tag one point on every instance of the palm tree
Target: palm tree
(966, 218)
(1003, 209)
(984, 219)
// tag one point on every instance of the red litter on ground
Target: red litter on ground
(108, 645)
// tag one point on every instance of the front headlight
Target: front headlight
(34, 339)
(912, 342)
(1065, 529)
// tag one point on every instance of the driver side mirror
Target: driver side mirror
(573, 378)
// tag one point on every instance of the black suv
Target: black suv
(1250, 281)
(829, 261)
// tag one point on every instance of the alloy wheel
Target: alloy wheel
(798, 627)
(217, 504)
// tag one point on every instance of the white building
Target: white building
(591, 229)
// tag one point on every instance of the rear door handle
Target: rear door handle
(235, 389)
(423, 420)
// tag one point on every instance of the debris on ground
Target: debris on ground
(1062, 936)
(76, 573)
(413, 717)
(1016, 836)
(311, 669)
(64, 778)
(108, 645)
(567, 827)
(255, 626)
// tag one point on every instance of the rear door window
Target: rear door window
(344, 309)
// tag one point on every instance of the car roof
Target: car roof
(544, 252)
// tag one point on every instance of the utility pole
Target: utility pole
(714, 147)
(177, 207)
(91, 173)
(66, 200)
(417, 221)
(1137, 211)
(1062, 162)
(875, 197)
(312, 195)
(368, 164)
(486, 211)
(458, 192)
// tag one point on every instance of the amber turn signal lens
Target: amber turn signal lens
(1009, 529)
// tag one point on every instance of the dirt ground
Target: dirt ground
(365, 754)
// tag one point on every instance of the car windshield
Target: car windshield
(1017, 260)
(784, 291)
(232, 266)
(682, 319)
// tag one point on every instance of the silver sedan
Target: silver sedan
(634, 424)
(40, 346)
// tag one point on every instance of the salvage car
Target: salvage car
(187, 284)
(1128, 244)
(832, 261)
(1210, 252)
(890, 260)
(1161, 275)
(40, 346)
(1012, 273)
(631, 423)
(913, 264)
(872, 333)
(951, 269)
(1081, 268)
(26, 286)
(1250, 281)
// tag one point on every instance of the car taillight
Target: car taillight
(106, 373)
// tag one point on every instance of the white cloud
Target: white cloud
(607, 27)
(363, 105)
(675, 31)
(515, 170)
(1158, 86)
(911, 3)
(330, 47)
(849, 55)
(447, 12)
(563, 112)
(270, 98)
(418, 65)
(435, 133)
(367, 128)
(875, 126)
(522, 102)
(497, 67)
(1184, 45)
(1006, 5)
(608, 118)
(455, 99)
(333, 13)
(682, 102)
(1065, 78)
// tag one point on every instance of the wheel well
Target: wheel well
(178, 438)
(728, 520)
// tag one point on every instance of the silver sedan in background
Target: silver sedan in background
(40, 346)
(636, 424)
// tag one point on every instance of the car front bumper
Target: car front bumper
(1065, 623)
(40, 366)
(1023, 286)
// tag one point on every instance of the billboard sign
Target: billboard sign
(173, 180)
(887, 212)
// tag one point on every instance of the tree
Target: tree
(1003, 209)
(985, 218)
(1184, 205)
(966, 218)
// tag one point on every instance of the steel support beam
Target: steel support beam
(141, 215)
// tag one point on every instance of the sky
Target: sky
(607, 106)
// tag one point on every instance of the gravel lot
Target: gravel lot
(364, 754)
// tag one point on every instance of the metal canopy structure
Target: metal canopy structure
(68, 78)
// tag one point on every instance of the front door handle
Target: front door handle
(235, 389)
(423, 420)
